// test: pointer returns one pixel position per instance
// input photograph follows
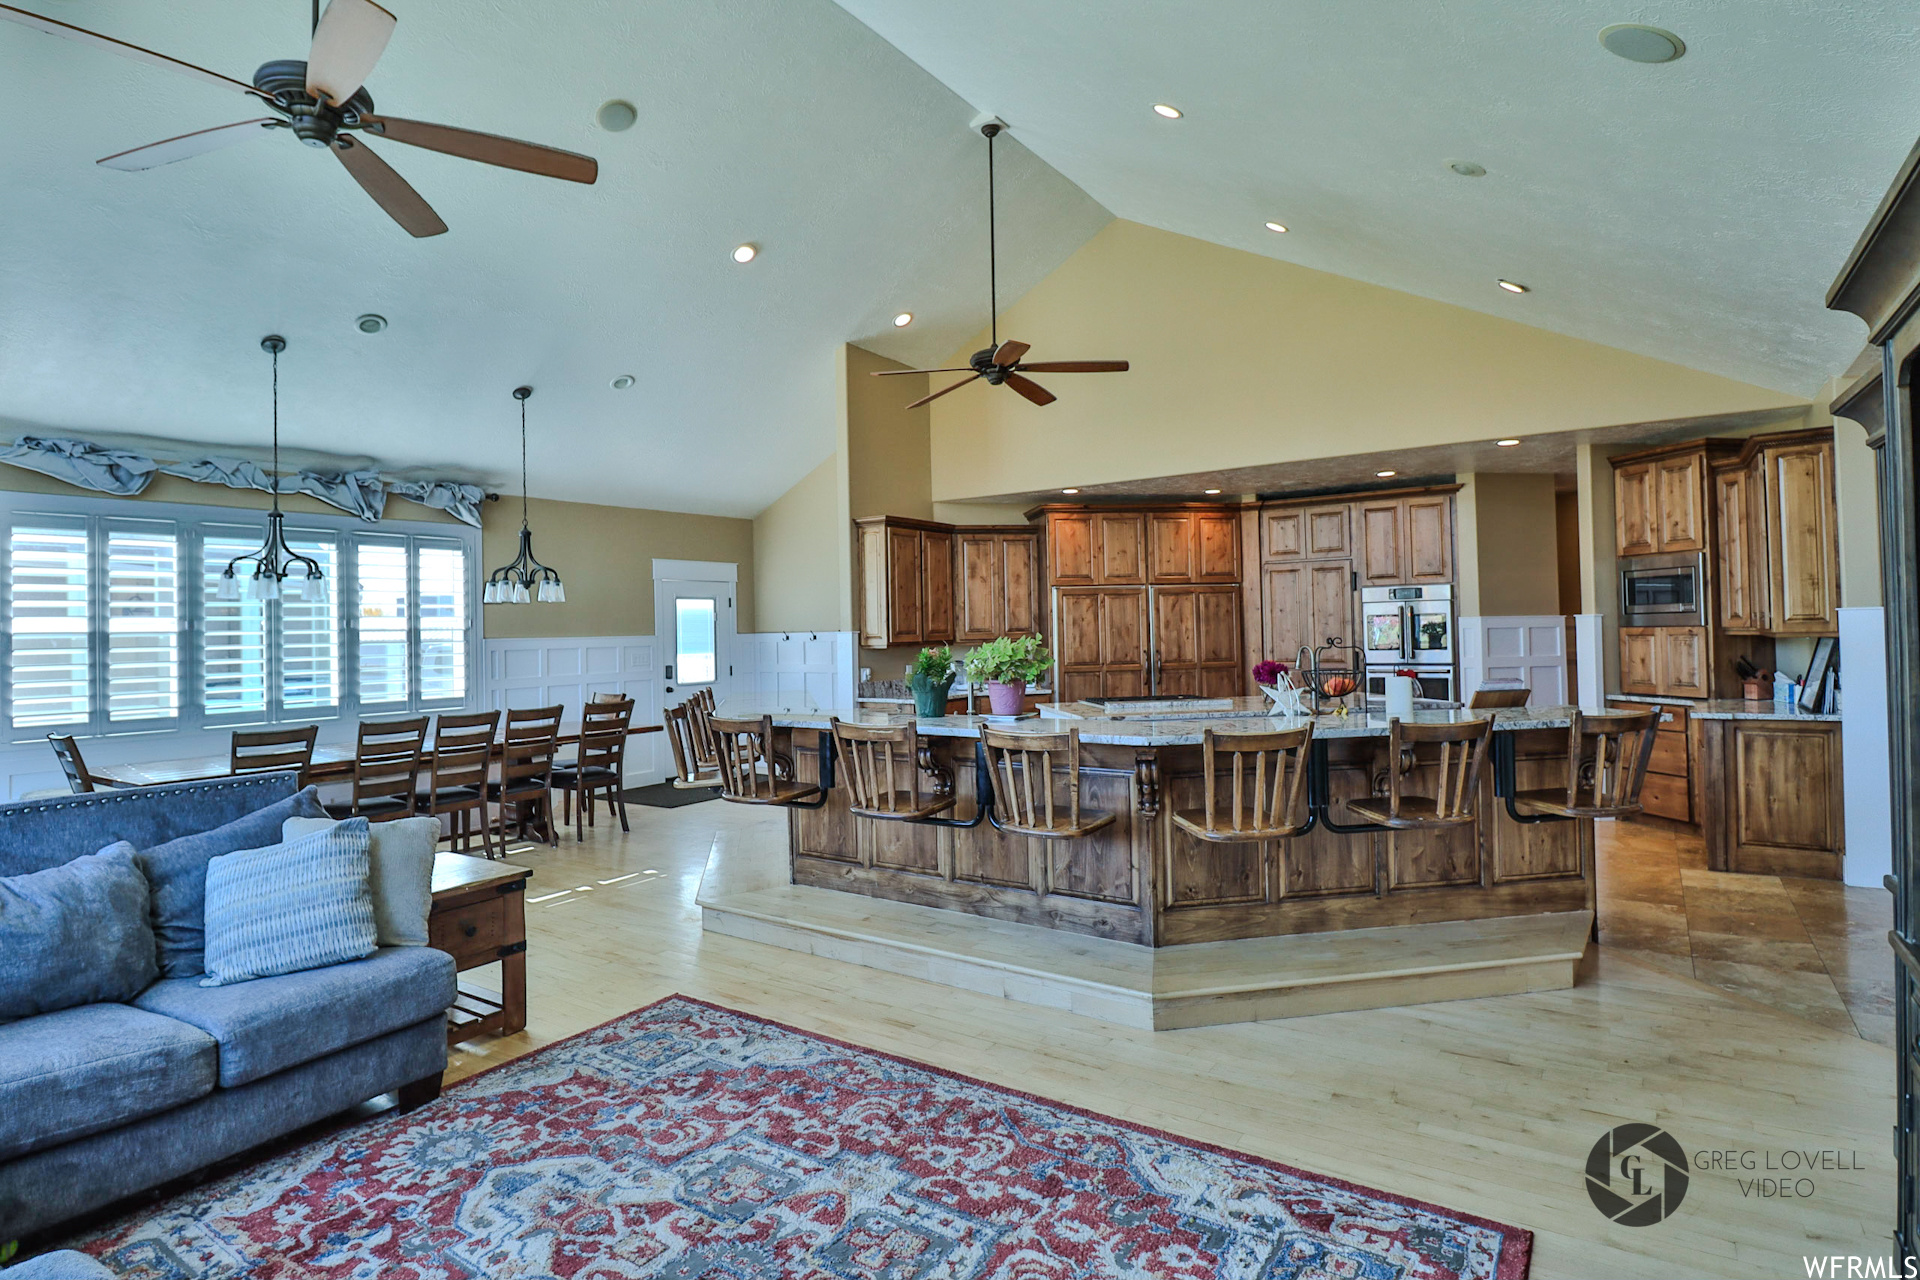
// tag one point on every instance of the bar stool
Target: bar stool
(1008, 756)
(274, 751)
(528, 744)
(689, 775)
(1254, 785)
(1456, 792)
(599, 765)
(1606, 763)
(871, 754)
(751, 771)
(67, 752)
(386, 767)
(700, 710)
(457, 776)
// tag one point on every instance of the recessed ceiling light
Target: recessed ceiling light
(622, 382)
(1467, 168)
(1170, 113)
(1639, 43)
(1384, 474)
(1069, 491)
(902, 320)
(1512, 286)
(1213, 491)
(746, 253)
(1506, 444)
(616, 116)
(1274, 226)
(371, 323)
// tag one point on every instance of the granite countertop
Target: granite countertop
(1734, 708)
(1174, 732)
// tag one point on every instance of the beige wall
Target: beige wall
(1518, 567)
(889, 457)
(1242, 360)
(1599, 578)
(799, 546)
(605, 556)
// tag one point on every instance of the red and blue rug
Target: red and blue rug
(688, 1140)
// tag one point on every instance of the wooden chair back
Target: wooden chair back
(1254, 785)
(700, 712)
(458, 732)
(528, 745)
(686, 758)
(1490, 699)
(607, 697)
(1607, 758)
(67, 752)
(274, 751)
(386, 759)
(1020, 767)
(462, 751)
(880, 764)
(749, 768)
(1463, 749)
(603, 735)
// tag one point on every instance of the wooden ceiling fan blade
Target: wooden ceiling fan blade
(348, 42)
(1009, 353)
(1076, 366)
(488, 148)
(67, 31)
(187, 145)
(1031, 389)
(389, 190)
(901, 373)
(942, 391)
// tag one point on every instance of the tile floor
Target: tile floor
(1812, 948)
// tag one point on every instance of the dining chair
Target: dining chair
(67, 752)
(1456, 779)
(1606, 764)
(386, 768)
(528, 743)
(1253, 786)
(274, 751)
(600, 765)
(1020, 766)
(457, 771)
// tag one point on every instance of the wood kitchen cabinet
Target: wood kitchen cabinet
(1660, 504)
(1803, 544)
(906, 581)
(1307, 533)
(1096, 548)
(1405, 540)
(1666, 661)
(1307, 604)
(1635, 510)
(1739, 558)
(996, 582)
(1193, 546)
(1196, 639)
(1772, 796)
(1100, 642)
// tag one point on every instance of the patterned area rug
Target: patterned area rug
(688, 1140)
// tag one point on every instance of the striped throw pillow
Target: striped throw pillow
(300, 905)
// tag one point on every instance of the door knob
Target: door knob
(469, 929)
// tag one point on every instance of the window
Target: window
(108, 630)
(694, 639)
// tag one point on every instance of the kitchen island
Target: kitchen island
(1142, 880)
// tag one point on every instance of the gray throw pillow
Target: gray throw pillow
(401, 877)
(75, 934)
(289, 907)
(177, 871)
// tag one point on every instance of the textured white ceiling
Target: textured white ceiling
(135, 302)
(1694, 211)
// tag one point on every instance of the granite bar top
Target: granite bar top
(1135, 731)
(1734, 709)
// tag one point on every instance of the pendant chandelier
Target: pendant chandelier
(277, 567)
(526, 579)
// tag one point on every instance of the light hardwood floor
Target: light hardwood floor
(1486, 1106)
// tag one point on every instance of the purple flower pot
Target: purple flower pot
(1004, 699)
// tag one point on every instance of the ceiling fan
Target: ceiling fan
(1000, 363)
(324, 102)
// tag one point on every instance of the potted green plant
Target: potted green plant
(1007, 665)
(931, 678)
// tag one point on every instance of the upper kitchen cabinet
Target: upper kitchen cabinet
(1193, 546)
(1307, 533)
(906, 581)
(1405, 539)
(1096, 548)
(1635, 510)
(1660, 503)
(1138, 546)
(996, 582)
(1776, 553)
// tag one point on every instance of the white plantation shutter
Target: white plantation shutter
(380, 578)
(443, 621)
(47, 619)
(310, 634)
(143, 621)
(233, 634)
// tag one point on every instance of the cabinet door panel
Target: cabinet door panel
(1383, 554)
(1429, 538)
(1734, 559)
(1634, 510)
(936, 551)
(1120, 545)
(1637, 661)
(1020, 594)
(1070, 550)
(1283, 534)
(1802, 539)
(1176, 642)
(875, 631)
(1217, 611)
(1288, 596)
(904, 578)
(1680, 661)
(1216, 547)
(977, 579)
(1080, 633)
(1329, 531)
(1677, 485)
(1170, 545)
(1330, 590)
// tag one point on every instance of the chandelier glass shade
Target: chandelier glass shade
(525, 580)
(278, 571)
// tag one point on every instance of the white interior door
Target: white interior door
(695, 625)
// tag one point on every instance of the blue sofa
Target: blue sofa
(103, 1101)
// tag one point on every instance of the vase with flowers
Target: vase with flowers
(1007, 666)
(930, 680)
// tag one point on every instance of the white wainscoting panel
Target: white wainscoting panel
(542, 671)
(802, 670)
(1530, 651)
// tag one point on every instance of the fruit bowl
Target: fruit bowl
(1338, 686)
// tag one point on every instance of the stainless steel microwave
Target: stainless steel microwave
(1664, 591)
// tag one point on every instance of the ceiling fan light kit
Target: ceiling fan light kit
(278, 570)
(524, 580)
(323, 101)
(999, 363)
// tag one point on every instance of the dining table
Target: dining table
(331, 763)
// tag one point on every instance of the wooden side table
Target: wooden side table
(480, 916)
